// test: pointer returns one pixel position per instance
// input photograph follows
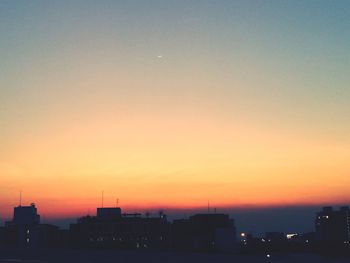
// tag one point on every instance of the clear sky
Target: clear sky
(173, 103)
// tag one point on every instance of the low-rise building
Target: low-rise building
(204, 232)
(112, 229)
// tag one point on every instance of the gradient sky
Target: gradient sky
(173, 103)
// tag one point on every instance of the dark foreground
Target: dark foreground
(102, 256)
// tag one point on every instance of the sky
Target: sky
(169, 104)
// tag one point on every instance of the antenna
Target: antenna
(208, 207)
(20, 198)
(116, 202)
(102, 198)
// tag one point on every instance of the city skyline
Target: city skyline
(169, 104)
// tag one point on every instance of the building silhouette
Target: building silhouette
(25, 229)
(26, 215)
(112, 229)
(209, 232)
(204, 232)
(333, 226)
(109, 213)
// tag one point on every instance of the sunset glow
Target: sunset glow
(172, 105)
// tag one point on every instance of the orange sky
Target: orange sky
(181, 162)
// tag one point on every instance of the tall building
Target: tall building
(25, 229)
(21, 231)
(333, 226)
